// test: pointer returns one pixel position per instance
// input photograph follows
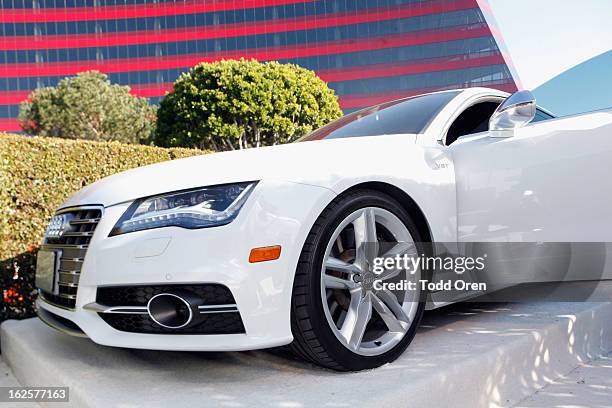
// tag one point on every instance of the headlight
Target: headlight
(198, 208)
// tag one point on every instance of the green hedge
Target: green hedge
(36, 176)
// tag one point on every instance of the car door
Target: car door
(543, 196)
(549, 181)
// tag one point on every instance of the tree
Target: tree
(232, 104)
(88, 106)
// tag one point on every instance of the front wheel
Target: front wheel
(339, 318)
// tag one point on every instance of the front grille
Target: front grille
(73, 245)
(138, 296)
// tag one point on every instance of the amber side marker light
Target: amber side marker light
(263, 254)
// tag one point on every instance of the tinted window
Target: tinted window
(410, 115)
(540, 115)
(474, 119)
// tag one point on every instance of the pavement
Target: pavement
(587, 386)
(465, 355)
(7, 379)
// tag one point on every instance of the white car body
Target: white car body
(480, 188)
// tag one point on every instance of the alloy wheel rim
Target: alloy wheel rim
(367, 321)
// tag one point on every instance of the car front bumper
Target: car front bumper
(277, 213)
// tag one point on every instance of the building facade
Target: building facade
(369, 51)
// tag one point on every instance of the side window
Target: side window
(473, 120)
(540, 115)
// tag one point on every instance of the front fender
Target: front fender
(425, 173)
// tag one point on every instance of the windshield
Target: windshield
(409, 115)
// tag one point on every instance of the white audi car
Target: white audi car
(267, 247)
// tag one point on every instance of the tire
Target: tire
(317, 337)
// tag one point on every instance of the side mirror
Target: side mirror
(516, 111)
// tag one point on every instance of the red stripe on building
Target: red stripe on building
(13, 97)
(9, 125)
(388, 70)
(362, 101)
(151, 90)
(48, 15)
(145, 90)
(263, 54)
(114, 39)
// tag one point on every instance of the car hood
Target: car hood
(320, 163)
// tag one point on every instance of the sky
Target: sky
(547, 37)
